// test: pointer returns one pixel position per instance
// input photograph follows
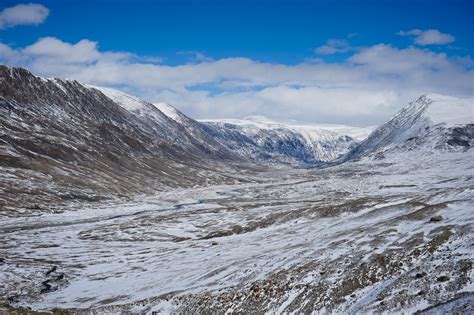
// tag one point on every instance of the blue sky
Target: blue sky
(218, 52)
(275, 31)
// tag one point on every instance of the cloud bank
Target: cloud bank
(364, 89)
(23, 14)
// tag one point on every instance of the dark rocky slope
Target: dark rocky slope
(63, 141)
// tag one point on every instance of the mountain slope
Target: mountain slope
(431, 122)
(184, 131)
(62, 141)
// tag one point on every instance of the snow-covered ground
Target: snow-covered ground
(354, 238)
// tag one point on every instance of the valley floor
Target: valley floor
(389, 235)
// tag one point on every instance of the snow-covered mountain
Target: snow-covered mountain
(431, 122)
(61, 140)
(257, 141)
(188, 132)
(309, 143)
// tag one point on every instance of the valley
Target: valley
(358, 237)
(111, 204)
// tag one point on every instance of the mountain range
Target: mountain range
(112, 204)
(64, 141)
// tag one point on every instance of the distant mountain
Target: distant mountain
(252, 140)
(431, 122)
(262, 139)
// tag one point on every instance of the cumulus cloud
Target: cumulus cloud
(364, 89)
(23, 14)
(428, 37)
(333, 46)
(49, 47)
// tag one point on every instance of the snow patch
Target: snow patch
(129, 102)
(169, 111)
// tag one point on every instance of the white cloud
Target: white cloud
(6, 51)
(333, 46)
(23, 14)
(364, 89)
(428, 37)
(50, 47)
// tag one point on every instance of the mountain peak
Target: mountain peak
(432, 121)
(440, 109)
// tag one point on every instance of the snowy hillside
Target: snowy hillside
(136, 106)
(431, 122)
(171, 112)
(88, 146)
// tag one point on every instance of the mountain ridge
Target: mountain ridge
(426, 123)
(266, 143)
